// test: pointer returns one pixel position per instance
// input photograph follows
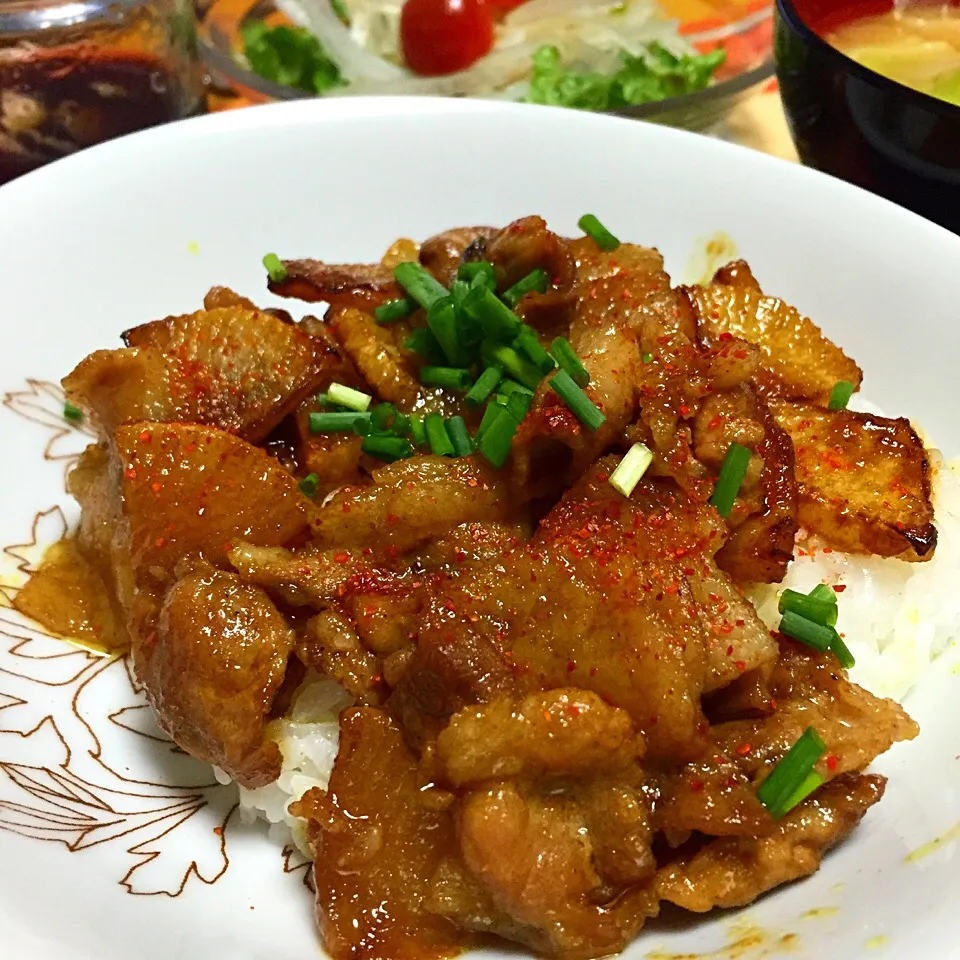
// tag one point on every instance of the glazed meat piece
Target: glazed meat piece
(375, 354)
(212, 670)
(734, 871)
(377, 837)
(763, 520)
(413, 500)
(331, 646)
(565, 732)
(864, 481)
(237, 369)
(442, 254)
(799, 362)
(364, 286)
(716, 794)
(618, 597)
(192, 491)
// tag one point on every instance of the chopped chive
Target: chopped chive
(631, 468)
(383, 416)
(536, 281)
(579, 403)
(842, 652)
(597, 232)
(387, 448)
(442, 321)
(347, 397)
(394, 310)
(807, 632)
(819, 611)
(323, 400)
(70, 412)
(457, 431)
(401, 424)
(417, 430)
(424, 343)
(489, 415)
(495, 441)
(478, 273)
(339, 422)
(823, 593)
(450, 378)
(528, 344)
(498, 321)
(518, 367)
(309, 485)
(567, 359)
(419, 284)
(647, 358)
(437, 435)
(486, 383)
(509, 387)
(840, 395)
(276, 271)
(732, 472)
(812, 781)
(783, 789)
(363, 428)
(518, 402)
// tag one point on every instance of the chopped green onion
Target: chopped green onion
(401, 424)
(568, 360)
(647, 358)
(536, 281)
(442, 321)
(486, 383)
(489, 415)
(495, 441)
(631, 468)
(579, 403)
(323, 400)
(347, 397)
(437, 435)
(842, 652)
(394, 310)
(518, 402)
(424, 343)
(840, 395)
(450, 378)
(785, 786)
(309, 485)
(812, 781)
(478, 273)
(510, 387)
(805, 631)
(70, 412)
(732, 472)
(339, 422)
(498, 321)
(457, 431)
(823, 593)
(363, 428)
(518, 368)
(383, 416)
(597, 232)
(819, 611)
(528, 344)
(417, 430)
(387, 448)
(276, 271)
(419, 284)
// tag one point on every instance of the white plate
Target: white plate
(112, 844)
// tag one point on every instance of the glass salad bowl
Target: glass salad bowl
(668, 68)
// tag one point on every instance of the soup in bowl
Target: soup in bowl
(872, 94)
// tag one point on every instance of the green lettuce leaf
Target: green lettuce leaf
(291, 56)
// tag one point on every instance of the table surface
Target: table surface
(759, 123)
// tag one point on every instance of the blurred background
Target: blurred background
(870, 88)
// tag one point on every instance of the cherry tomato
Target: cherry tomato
(443, 36)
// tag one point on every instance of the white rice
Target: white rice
(896, 617)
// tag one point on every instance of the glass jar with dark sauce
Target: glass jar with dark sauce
(73, 74)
